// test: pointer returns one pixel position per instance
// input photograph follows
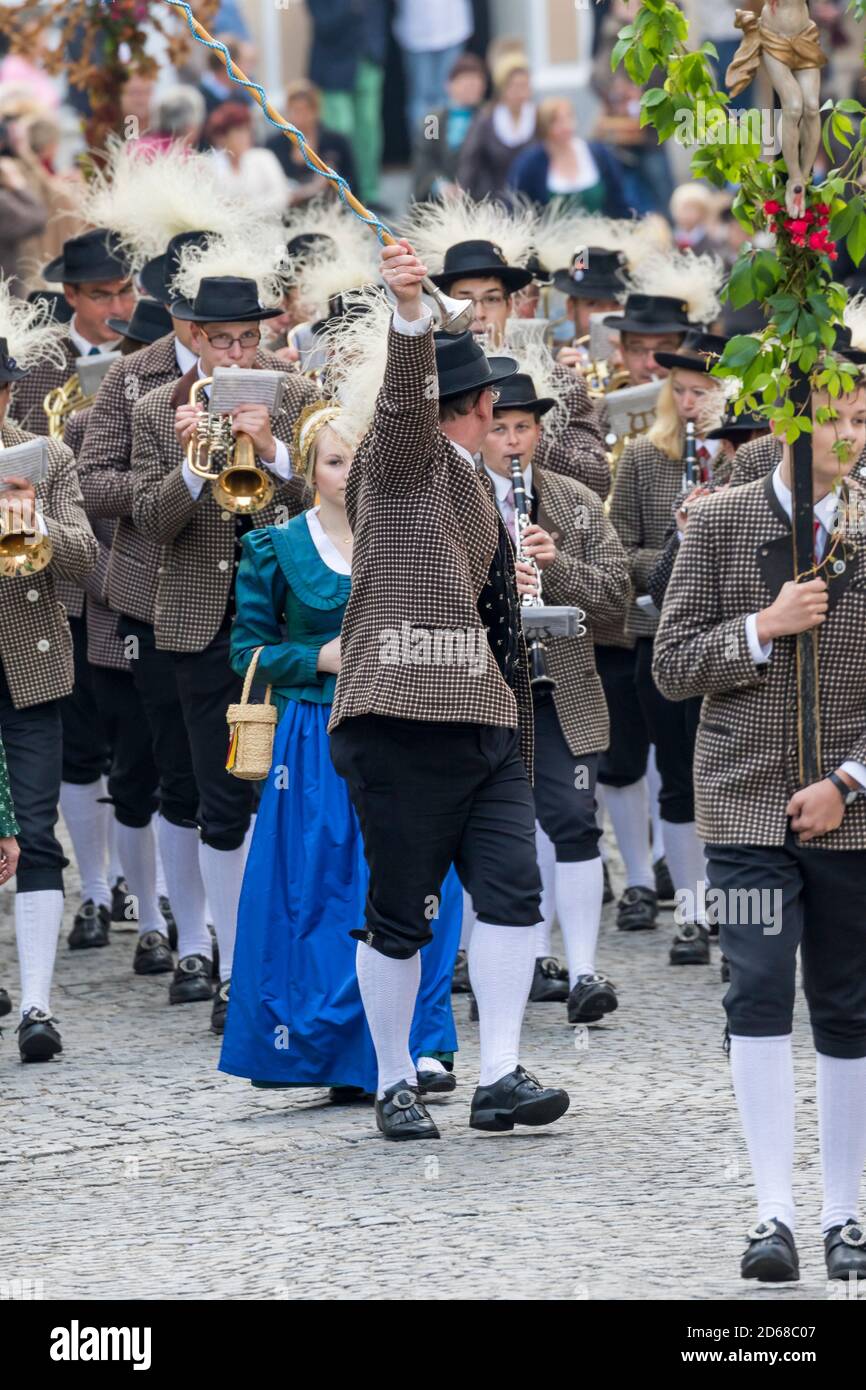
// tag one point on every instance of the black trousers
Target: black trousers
(133, 780)
(564, 789)
(673, 727)
(625, 760)
(153, 675)
(428, 795)
(774, 899)
(86, 747)
(207, 685)
(33, 739)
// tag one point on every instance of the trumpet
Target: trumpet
(240, 485)
(540, 677)
(601, 379)
(22, 549)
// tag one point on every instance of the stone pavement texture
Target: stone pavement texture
(131, 1168)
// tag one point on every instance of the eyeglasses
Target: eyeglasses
(489, 301)
(223, 341)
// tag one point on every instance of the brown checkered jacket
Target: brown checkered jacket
(647, 485)
(72, 595)
(734, 559)
(104, 647)
(760, 456)
(28, 394)
(35, 641)
(578, 450)
(590, 572)
(196, 569)
(426, 528)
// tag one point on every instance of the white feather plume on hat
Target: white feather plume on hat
(357, 346)
(32, 335)
(351, 262)
(433, 227)
(254, 254)
(149, 195)
(558, 234)
(534, 359)
(696, 280)
(854, 319)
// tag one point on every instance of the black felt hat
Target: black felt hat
(699, 352)
(843, 347)
(223, 299)
(61, 309)
(482, 260)
(518, 393)
(157, 274)
(150, 321)
(93, 256)
(733, 426)
(9, 369)
(463, 366)
(595, 275)
(651, 313)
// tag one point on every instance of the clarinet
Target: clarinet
(690, 457)
(540, 679)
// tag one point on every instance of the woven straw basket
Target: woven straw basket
(251, 744)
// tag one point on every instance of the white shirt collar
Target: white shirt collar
(502, 486)
(464, 453)
(183, 356)
(84, 347)
(825, 510)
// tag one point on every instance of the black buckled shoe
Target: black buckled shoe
(400, 1114)
(548, 985)
(170, 923)
(665, 891)
(607, 891)
(5, 1003)
(637, 909)
(349, 1095)
(152, 955)
(593, 996)
(725, 971)
(436, 1083)
(119, 895)
(516, 1099)
(845, 1250)
(771, 1255)
(460, 978)
(90, 927)
(192, 981)
(220, 1008)
(691, 945)
(215, 958)
(38, 1038)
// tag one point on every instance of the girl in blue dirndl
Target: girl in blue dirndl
(295, 1015)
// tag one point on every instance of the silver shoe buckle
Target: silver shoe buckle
(847, 1235)
(762, 1231)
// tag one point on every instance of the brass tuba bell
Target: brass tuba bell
(62, 402)
(240, 485)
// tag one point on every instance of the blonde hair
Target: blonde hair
(312, 420)
(667, 432)
(692, 193)
(505, 66)
(548, 110)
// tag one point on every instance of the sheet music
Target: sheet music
(631, 410)
(602, 341)
(236, 386)
(91, 370)
(28, 460)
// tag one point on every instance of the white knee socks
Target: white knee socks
(654, 786)
(762, 1071)
(546, 865)
(501, 961)
(37, 926)
(468, 922)
(389, 989)
(115, 863)
(628, 808)
(688, 868)
(178, 850)
(87, 820)
(137, 849)
(579, 889)
(222, 872)
(842, 1133)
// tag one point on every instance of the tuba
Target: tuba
(78, 392)
(240, 485)
(23, 550)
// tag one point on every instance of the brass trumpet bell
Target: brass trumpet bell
(240, 485)
(23, 552)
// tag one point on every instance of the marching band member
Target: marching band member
(431, 751)
(36, 673)
(581, 561)
(306, 880)
(787, 862)
(9, 851)
(194, 601)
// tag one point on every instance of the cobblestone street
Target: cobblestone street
(131, 1168)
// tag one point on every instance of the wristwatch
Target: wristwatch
(848, 795)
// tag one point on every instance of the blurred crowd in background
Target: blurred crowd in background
(472, 121)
